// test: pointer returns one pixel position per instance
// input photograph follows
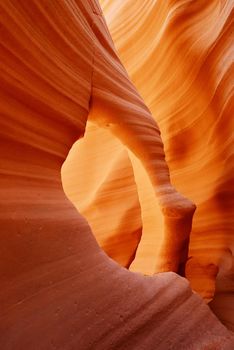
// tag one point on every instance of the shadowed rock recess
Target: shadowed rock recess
(60, 69)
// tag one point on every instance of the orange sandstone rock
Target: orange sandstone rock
(179, 55)
(59, 290)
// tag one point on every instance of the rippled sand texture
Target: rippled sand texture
(179, 55)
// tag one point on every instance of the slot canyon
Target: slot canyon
(116, 175)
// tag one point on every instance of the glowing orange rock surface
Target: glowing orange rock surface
(179, 54)
(59, 290)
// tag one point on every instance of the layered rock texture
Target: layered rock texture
(179, 54)
(59, 289)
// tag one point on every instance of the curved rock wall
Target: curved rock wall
(179, 55)
(59, 290)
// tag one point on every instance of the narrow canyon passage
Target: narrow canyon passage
(179, 56)
(60, 290)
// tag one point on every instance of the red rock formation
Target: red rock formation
(179, 55)
(59, 289)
